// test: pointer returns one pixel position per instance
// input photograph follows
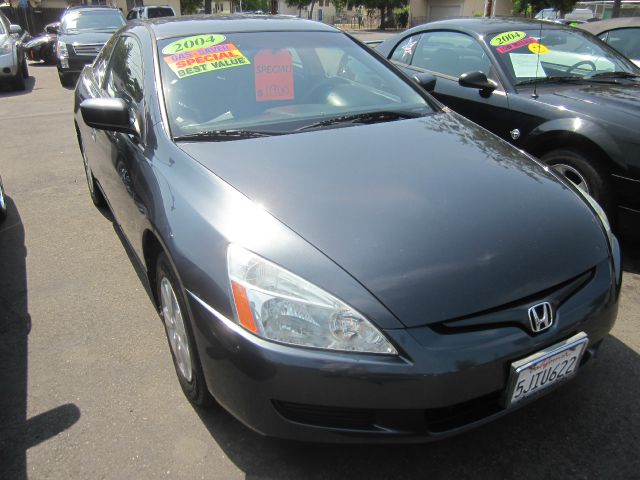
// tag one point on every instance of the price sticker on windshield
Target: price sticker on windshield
(189, 43)
(506, 38)
(538, 48)
(274, 75)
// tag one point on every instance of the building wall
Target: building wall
(468, 8)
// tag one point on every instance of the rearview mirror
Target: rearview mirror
(477, 80)
(107, 114)
(15, 29)
(425, 80)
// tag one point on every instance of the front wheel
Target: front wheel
(94, 191)
(175, 317)
(18, 80)
(584, 173)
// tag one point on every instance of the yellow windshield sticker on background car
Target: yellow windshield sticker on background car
(538, 48)
(189, 43)
(506, 38)
(207, 59)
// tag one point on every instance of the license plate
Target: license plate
(543, 369)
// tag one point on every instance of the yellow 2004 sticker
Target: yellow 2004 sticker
(189, 43)
(538, 48)
(506, 38)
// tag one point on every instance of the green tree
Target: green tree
(387, 19)
(187, 7)
(300, 4)
(339, 4)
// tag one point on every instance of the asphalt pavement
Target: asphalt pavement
(88, 390)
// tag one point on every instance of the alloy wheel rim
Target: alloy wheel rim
(572, 175)
(176, 332)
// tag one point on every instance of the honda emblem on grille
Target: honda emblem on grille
(540, 317)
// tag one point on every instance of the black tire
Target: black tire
(67, 80)
(194, 388)
(590, 171)
(94, 190)
(25, 69)
(18, 81)
(3, 204)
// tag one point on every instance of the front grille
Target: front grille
(417, 421)
(87, 49)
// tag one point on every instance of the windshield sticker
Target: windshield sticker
(506, 38)
(538, 48)
(515, 45)
(407, 48)
(189, 43)
(208, 59)
(526, 65)
(274, 75)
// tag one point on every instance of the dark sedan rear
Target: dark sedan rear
(334, 256)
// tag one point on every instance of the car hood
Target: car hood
(89, 36)
(596, 99)
(435, 216)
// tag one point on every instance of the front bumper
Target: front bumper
(444, 382)
(8, 65)
(75, 65)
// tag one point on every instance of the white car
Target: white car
(151, 11)
(13, 63)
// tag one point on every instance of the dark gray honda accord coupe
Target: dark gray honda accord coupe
(335, 256)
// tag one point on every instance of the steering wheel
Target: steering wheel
(582, 62)
(323, 87)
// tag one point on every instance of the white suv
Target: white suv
(13, 63)
(151, 12)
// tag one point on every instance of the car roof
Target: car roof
(168, 27)
(92, 8)
(605, 25)
(488, 25)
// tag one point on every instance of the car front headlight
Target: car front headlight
(601, 215)
(62, 50)
(277, 305)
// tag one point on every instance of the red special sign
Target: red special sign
(274, 75)
(515, 45)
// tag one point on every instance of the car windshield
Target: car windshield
(538, 54)
(278, 82)
(92, 20)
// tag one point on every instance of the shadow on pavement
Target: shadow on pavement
(589, 428)
(17, 433)
(6, 91)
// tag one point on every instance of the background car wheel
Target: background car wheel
(25, 69)
(577, 167)
(175, 317)
(19, 79)
(49, 55)
(67, 79)
(3, 204)
(94, 191)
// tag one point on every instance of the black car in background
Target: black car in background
(554, 91)
(43, 47)
(336, 257)
(82, 33)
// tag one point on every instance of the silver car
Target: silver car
(13, 63)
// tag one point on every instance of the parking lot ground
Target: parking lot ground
(87, 387)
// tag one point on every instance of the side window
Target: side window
(101, 61)
(125, 77)
(450, 53)
(626, 41)
(405, 50)
(131, 15)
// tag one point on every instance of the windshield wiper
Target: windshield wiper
(361, 118)
(569, 78)
(223, 135)
(613, 75)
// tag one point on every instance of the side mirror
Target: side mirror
(107, 114)
(425, 80)
(52, 28)
(15, 29)
(477, 80)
